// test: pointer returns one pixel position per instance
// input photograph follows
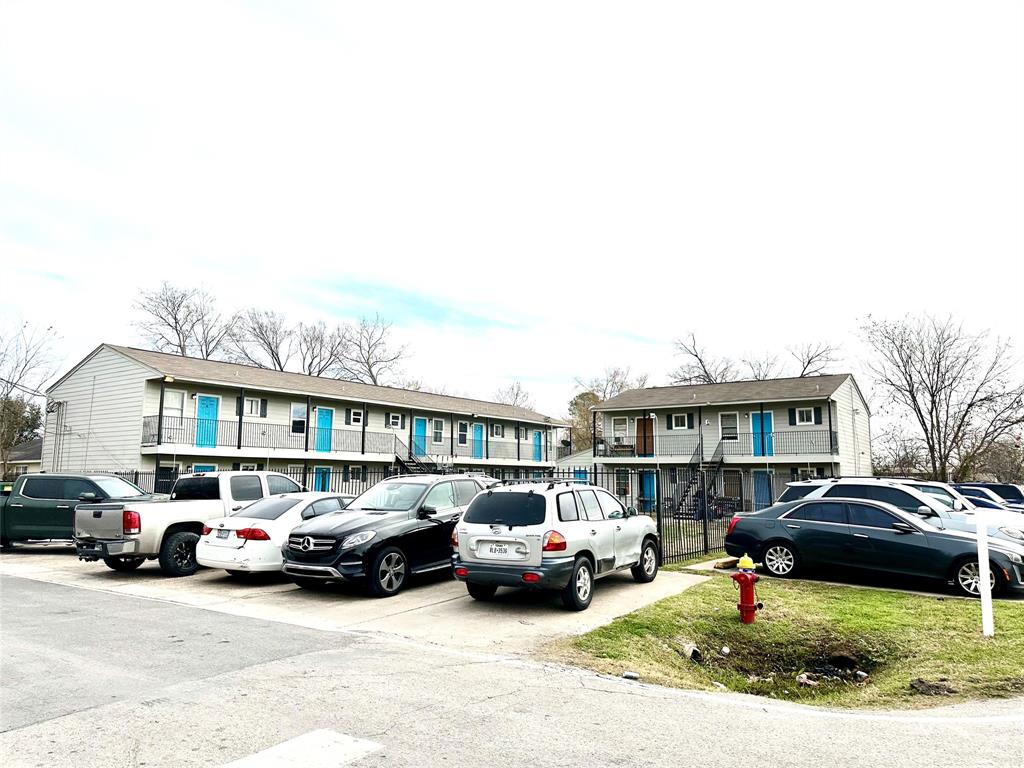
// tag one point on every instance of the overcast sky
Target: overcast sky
(529, 190)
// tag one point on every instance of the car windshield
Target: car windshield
(509, 509)
(794, 492)
(196, 489)
(267, 509)
(392, 496)
(942, 495)
(116, 488)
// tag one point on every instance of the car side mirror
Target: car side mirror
(308, 513)
(631, 512)
(426, 512)
(902, 528)
(957, 505)
(87, 496)
(925, 511)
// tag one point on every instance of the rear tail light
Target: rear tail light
(131, 523)
(252, 534)
(455, 538)
(553, 542)
(207, 530)
(462, 572)
(531, 578)
(732, 524)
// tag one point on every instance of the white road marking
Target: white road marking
(322, 748)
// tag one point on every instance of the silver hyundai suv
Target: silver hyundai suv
(551, 534)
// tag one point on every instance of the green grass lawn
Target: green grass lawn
(895, 637)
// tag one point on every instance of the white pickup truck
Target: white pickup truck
(125, 535)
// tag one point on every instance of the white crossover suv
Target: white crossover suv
(551, 534)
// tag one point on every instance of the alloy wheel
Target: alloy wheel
(969, 577)
(184, 555)
(392, 572)
(650, 560)
(779, 560)
(583, 583)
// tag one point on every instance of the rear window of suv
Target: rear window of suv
(507, 509)
(794, 492)
(196, 489)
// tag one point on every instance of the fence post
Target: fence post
(703, 508)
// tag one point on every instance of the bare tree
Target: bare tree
(700, 367)
(614, 381)
(762, 368)
(813, 357)
(262, 338)
(958, 387)
(320, 350)
(25, 365)
(514, 394)
(211, 334)
(894, 453)
(368, 355)
(169, 318)
(1003, 460)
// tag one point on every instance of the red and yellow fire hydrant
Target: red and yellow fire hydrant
(745, 580)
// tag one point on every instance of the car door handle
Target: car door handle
(18, 505)
(790, 525)
(618, 527)
(860, 535)
(593, 532)
(63, 506)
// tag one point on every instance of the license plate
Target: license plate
(222, 534)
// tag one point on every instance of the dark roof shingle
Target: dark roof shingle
(768, 390)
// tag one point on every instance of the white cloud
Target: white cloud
(758, 173)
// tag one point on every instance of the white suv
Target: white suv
(551, 534)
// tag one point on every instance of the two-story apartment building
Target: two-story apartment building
(122, 408)
(743, 434)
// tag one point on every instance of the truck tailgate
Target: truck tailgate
(99, 521)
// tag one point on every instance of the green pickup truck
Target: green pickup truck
(42, 506)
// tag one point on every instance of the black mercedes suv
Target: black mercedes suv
(400, 526)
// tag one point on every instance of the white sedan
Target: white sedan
(251, 539)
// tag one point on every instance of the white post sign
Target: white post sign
(984, 573)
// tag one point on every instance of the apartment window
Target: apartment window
(463, 432)
(395, 420)
(438, 431)
(619, 428)
(298, 418)
(174, 403)
(252, 406)
(355, 474)
(247, 467)
(679, 421)
(522, 433)
(728, 425)
(356, 417)
(498, 473)
(804, 415)
(622, 482)
(497, 430)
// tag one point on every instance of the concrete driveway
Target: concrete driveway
(434, 610)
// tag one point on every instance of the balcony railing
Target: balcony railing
(221, 433)
(753, 444)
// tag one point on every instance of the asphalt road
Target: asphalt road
(94, 678)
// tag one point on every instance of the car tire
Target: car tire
(480, 591)
(780, 559)
(965, 579)
(388, 573)
(178, 554)
(123, 564)
(577, 594)
(647, 569)
(5, 545)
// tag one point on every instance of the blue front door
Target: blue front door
(537, 446)
(762, 489)
(324, 428)
(207, 410)
(321, 478)
(581, 474)
(648, 494)
(762, 428)
(419, 437)
(478, 441)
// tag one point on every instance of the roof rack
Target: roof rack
(551, 481)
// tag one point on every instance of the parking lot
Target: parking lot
(434, 610)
